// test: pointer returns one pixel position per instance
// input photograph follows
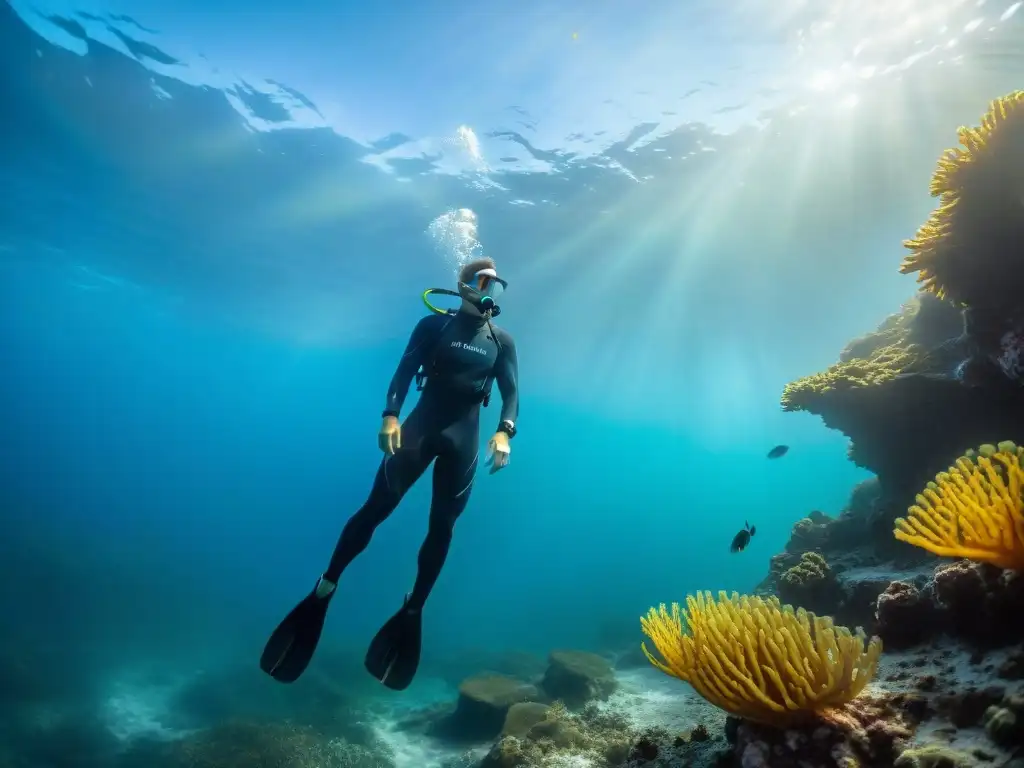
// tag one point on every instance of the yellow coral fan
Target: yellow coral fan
(975, 509)
(758, 659)
(969, 238)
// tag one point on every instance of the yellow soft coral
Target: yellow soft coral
(881, 365)
(872, 359)
(758, 659)
(976, 227)
(975, 509)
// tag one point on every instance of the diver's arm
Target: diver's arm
(507, 376)
(420, 343)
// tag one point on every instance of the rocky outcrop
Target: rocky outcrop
(578, 677)
(483, 708)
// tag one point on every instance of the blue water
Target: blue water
(210, 264)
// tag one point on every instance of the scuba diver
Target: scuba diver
(455, 356)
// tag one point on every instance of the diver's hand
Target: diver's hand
(390, 436)
(498, 451)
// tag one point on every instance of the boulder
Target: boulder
(578, 677)
(522, 717)
(483, 707)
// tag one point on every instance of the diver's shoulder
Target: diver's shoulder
(503, 336)
(433, 322)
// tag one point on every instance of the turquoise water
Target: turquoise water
(217, 225)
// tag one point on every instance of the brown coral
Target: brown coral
(811, 584)
(870, 731)
(905, 616)
(812, 569)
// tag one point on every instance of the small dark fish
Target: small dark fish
(741, 539)
(778, 451)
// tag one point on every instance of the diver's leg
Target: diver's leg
(453, 483)
(292, 644)
(395, 476)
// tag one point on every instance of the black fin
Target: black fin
(292, 645)
(753, 530)
(394, 654)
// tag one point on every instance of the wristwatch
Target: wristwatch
(389, 412)
(508, 427)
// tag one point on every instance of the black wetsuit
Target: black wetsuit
(460, 358)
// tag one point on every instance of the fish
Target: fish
(741, 539)
(778, 451)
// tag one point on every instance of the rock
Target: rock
(983, 604)
(483, 706)
(578, 677)
(1002, 726)
(965, 709)
(933, 756)
(507, 753)
(861, 588)
(809, 533)
(905, 616)
(811, 584)
(522, 717)
(1012, 667)
(889, 424)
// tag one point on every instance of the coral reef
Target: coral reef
(884, 392)
(905, 615)
(888, 387)
(810, 584)
(558, 734)
(760, 660)
(969, 249)
(809, 533)
(871, 731)
(976, 603)
(895, 348)
(855, 556)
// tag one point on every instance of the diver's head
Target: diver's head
(480, 287)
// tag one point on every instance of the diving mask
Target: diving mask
(483, 290)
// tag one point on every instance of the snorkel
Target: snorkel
(483, 305)
(441, 292)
